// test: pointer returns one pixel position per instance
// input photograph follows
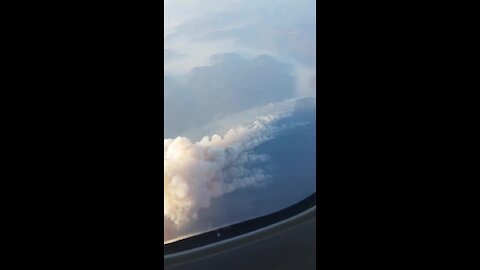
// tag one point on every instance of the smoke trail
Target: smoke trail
(197, 172)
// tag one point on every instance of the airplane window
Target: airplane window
(240, 111)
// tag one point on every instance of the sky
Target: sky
(286, 30)
(239, 83)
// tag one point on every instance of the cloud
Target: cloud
(197, 172)
(285, 30)
(223, 57)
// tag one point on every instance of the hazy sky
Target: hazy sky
(235, 71)
(195, 30)
(198, 32)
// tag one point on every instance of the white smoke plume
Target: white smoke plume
(197, 172)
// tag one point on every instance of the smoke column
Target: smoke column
(197, 172)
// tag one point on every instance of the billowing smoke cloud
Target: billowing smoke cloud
(197, 172)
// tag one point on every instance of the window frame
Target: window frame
(243, 233)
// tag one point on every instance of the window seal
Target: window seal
(239, 234)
